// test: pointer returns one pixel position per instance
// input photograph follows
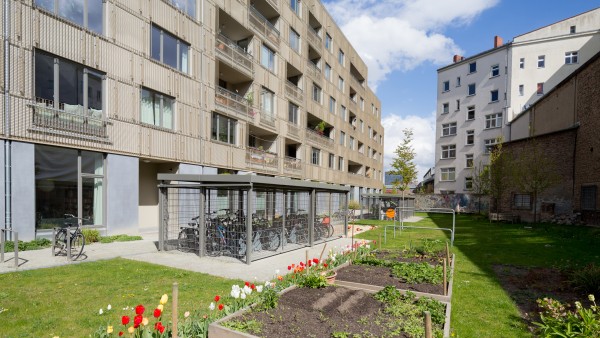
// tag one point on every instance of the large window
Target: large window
(267, 104)
(328, 42)
(588, 197)
(472, 67)
(469, 158)
(267, 58)
(470, 137)
(470, 112)
(69, 93)
(316, 93)
(522, 201)
(187, 6)
(223, 129)
(489, 145)
(327, 72)
(449, 151)
(294, 40)
(493, 121)
(170, 50)
(157, 109)
(295, 5)
(315, 156)
(571, 57)
(332, 104)
(449, 129)
(85, 13)
(58, 178)
(471, 89)
(448, 174)
(293, 113)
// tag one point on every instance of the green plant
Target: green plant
(36, 244)
(587, 279)
(340, 334)
(268, 299)
(429, 246)
(388, 294)
(418, 273)
(557, 320)
(119, 238)
(320, 127)
(312, 280)
(353, 205)
(91, 235)
(250, 326)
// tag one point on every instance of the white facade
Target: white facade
(560, 48)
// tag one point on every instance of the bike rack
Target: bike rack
(433, 210)
(67, 236)
(16, 241)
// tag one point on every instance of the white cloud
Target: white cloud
(392, 35)
(423, 139)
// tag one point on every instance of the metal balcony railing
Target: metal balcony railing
(292, 164)
(319, 139)
(293, 92)
(69, 118)
(233, 102)
(263, 26)
(261, 159)
(236, 56)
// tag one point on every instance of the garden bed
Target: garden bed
(335, 312)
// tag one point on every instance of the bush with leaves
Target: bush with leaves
(558, 320)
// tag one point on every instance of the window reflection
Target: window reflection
(77, 11)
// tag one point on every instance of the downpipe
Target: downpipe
(7, 145)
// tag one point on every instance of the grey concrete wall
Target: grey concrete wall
(23, 190)
(189, 169)
(122, 194)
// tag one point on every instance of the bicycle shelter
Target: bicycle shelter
(375, 206)
(247, 217)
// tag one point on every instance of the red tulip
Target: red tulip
(157, 313)
(125, 320)
(324, 265)
(316, 260)
(217, 298)
(247, 283)
(137, 320)
(252, 286)
(289, 267)
(221, 306)
(161, 329)
(139, 309)
(120, 333)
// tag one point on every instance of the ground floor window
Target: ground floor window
(588, 197)
(522, 201)
(68, 181)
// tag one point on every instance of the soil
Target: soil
(382, 276)
(305, 312)
(527, 284)
(433, 259)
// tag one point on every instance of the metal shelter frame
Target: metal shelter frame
(185, 195)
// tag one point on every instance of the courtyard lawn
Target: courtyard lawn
(65, 301)
(480, 306)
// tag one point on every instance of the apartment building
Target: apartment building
(479, 95)
(100, 96)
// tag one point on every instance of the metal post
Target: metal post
(453, 224)
(250, 204)
(311, 216)
(2, 234)
(202, 224)
(346, 214)
(68, 237)
(174, 333)
(7, 124)
(16, 250)
(283, 238)
(53, 241)
(161, 217)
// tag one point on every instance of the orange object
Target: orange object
(390, 213)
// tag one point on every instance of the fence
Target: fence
(375, 206)
(247, 217)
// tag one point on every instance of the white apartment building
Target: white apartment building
(99, 97)
(479, 95)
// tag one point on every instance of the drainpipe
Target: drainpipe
(7, 157)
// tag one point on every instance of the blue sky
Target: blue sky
(404, 42)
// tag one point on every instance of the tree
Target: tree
(403, 162)
(500, 173)
(481, 182)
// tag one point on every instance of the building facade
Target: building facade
(478, 96)
(100, 97)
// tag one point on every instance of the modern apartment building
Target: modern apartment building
(479, 95)
(100, 96)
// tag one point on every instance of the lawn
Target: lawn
(480, 306)
(65, 301)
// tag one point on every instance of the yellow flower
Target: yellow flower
(130, 329)
(164, 299)
(160, 307)
(109, 329)
(145, 321)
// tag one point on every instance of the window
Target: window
(343, 113)
(573, 30)
(522, 63)
(469, 160)
(168, 49)
(470, 137)
(445, 108)
(267, 104)
(446, 86)
(351, 143)
(342, 138)
(521, 90)
(223, 129)
(327, 71)
(293, 113)
(571, 57)
(316, 93)
(341, 57)
(186, 6)
(495, 70)
(340, 163)
(588, 197)
(458, 81)
(85, 13)
(471, 89)
(449, 151)
(494, 96)
(457, 104)
(370, 132)
(522, 201)
(540, 88)
(332, 105)
(157, 109)
(295, 5)
(470, 113)
(448, 174)
(489, 145)
(361, 123)
(493, 121)
(341, 84)
(57, 75)
(362, 104)
(468, 183)
(331, 162)
(541, 61)
(267, 58)
(295, 39)
(472, 67)
(449, 129)
(328, 42)
(315, 156)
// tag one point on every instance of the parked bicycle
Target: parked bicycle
(189, 235)
(73, 239)
(323, 228)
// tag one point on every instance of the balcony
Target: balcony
(293, 92)
(294, 130)
(319, 139)
(234, 55)
(72, 120)
(292, 164)
(263, 26)
(233, 103)
(257, 158)
(267, 119)
(356, 82)
(314, 39)
(313, 71)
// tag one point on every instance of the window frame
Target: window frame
(445, 108)
(471, 89)
(541, 63)
(446, 86)
(295, 42)
(571, 57)
(489, 144)
(448, 151)
(332, 105)
(448, 174)
(473, 67)
(495, 93)
(341, 57)
(181, 66)
(161, 104)
(293, 114)
(267, 58)
(315, 156)
(540, 88)
(522, 63)
(231, 137)
(317, 93)
(493, 120)
(84, 22)
(592, 190)
(521, 201)
(470, 113)
(470, 137)
(469, 161)
(468, 183)
(328, 42)
(331, 162)
(495, 70)
(448, 127)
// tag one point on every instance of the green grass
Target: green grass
(480, 306)
(65, 301)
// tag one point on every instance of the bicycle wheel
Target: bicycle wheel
(77, 244)
(273, 240)
(60, 242)
(184, 240)
(329, 230)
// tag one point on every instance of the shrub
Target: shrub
(353, 205)
(91, 235)
(557, 320)
(39, 243)
(587, 279)
(119, 238)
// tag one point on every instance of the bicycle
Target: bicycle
(188, 236)
(75, 237)
(324, 228)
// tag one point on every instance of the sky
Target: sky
(404, 42)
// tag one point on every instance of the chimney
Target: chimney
(497, 41)
(457, 58)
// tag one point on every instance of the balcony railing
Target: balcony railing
(293, 92)
(236, 56)
(263, 26)
(267, 118)
(69, 118)
(319, 139)
(313, 71)
(261, 159)
(358, 83)
(233, 102)
(314, 39)
(292, 164)
(294, 130)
